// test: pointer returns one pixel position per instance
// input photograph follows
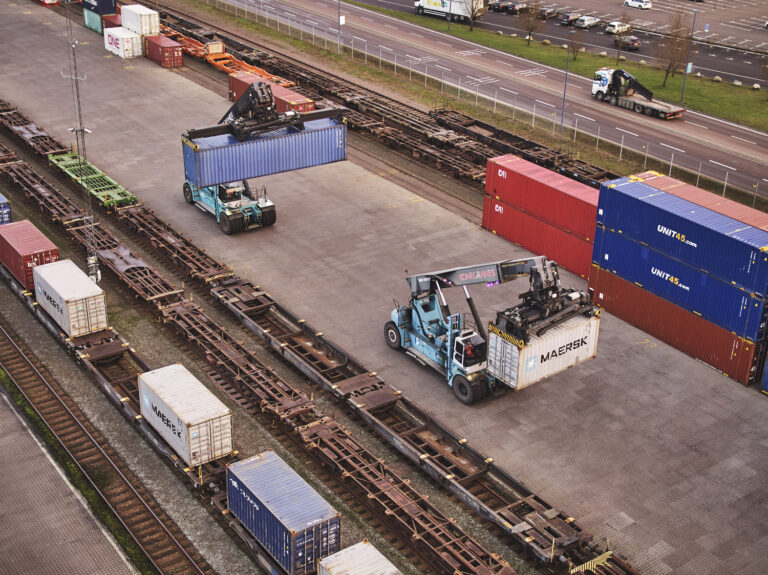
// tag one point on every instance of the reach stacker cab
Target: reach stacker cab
(235, 206)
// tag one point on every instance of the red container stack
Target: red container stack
(285, 98)
(22, 247)
(164, 51)
(736, 357)
(111, 21)
(541, 211)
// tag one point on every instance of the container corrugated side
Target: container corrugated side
(548, 196)
(358, 559)
(122, 42)
(714, 202)
(71, 298)
(164, 51)
(5, 210)
(92, 20)
(140, 19)
(100, 7)
(290, 520)
(519, 365)
(22, 247)
(194, 422)
(734, 356)
(724, 304)
(220, 159)
(731, 250)
(111, 21)
(569, 251)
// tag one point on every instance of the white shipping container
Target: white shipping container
(189, 417)
(122, 42)
(69, 296)
(359, 559)
(520, 365)
(141, 20)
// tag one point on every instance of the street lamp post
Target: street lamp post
(565, 85)
(450, 15)
(688, 57)
(338, 23)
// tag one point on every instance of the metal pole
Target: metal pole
(379, 57)
(698, 175)
(597, 143)
(495, 97)
(514, 107)
(477, 93)
(565, 85)
(338, 23)
(409, 70)
(725, 184)
(754, 196)
(425, 74)
(533, 118)
(450, 15)
(366, 53)
(554, 117)
(645, 161)
(671, 162)
(575, 129)
(621, 150)
(688, 57)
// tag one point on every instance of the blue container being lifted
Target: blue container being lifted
(285, 515)
(725, 248)
(724, 304)
(220, 159)
(5, 210)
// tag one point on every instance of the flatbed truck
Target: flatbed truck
(619, 88)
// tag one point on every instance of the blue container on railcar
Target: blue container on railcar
(221, 159)
(282, 511)
(101, 7)
(725, 248)
(5, 210)
(724, 304)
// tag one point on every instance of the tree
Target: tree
(577, 42)
(673, 52)
(475, 9)
(619, 37)
(530, 22)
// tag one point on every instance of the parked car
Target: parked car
(499, 5)
(587, 22)
(617, 28)
(547, 13)
(642, 4)
(569, 19)
(628, 42)
(518, 7)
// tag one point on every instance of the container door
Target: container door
(78, 317)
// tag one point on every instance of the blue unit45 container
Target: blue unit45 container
(221, 159)
(5, 210)
(724, 304)
(290, 520)
(725, 248)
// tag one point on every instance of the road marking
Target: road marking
(585, 117)
(385, 48)
(444, 44)
(475, 52)
(359, 38)
(695, 124)
(366, 18)
(672, 147)
(723, 165)
(505, 63)
(508, 90)
(390, 26)
(532, 72)
(415, 34)
(442, 67)
(545, 103)
(627, 132)
(743, 140)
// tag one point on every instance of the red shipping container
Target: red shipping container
(285, 98)
(546, 195)
(735, 210)
(736, 357)
(164, 51)
(111, 21)
(22, 247)
(569, 251)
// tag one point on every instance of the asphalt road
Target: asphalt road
(713, 147)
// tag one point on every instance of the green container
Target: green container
(92, 20)
(106, 190)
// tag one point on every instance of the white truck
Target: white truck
(454, 10)
(619, 88)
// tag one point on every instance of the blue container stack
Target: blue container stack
(701, 260)
(5, 210)
(285, 515)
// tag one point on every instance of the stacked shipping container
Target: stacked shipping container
(164, 51)
(687, 267)
(285, 99)
(5, 210)
(22, 247)
(95, 10)
(541, 210)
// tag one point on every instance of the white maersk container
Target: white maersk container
(519, 365)
(69, 296)
(359, 559)
(122, 42)
(189, 417)
(141, 20)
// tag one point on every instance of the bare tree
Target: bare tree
(530, 22)
(620, 36)
(475, 9)
(577, 42)
(672, 53)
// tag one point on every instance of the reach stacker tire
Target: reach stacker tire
(268, 216)
(393, 335)
(188, 194)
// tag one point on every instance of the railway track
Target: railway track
(163, 543)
